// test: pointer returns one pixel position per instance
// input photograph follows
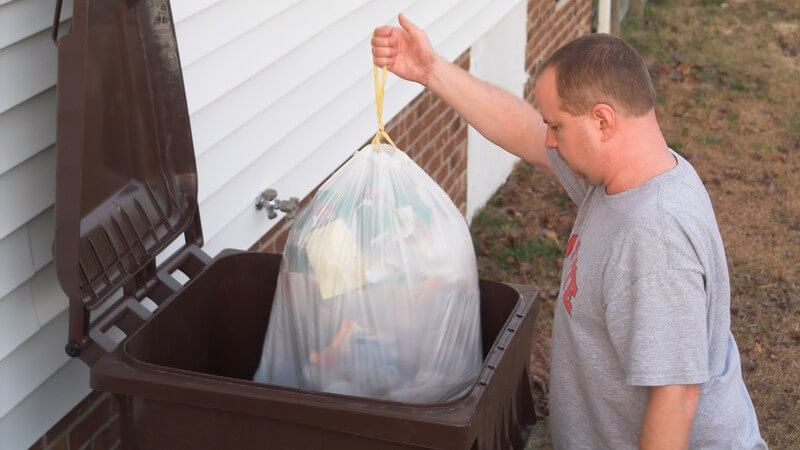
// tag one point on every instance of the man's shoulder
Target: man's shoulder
(686, 190)
(664, 232)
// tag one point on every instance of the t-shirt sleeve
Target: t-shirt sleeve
(659, 331)
(576, 187)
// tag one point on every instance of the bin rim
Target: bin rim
(103, 378)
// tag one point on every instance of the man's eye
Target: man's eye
(554, 127)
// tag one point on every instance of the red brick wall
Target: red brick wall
(433, 135)
(549, 29)
(92, 425)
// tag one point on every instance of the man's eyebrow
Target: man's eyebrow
(536, 107)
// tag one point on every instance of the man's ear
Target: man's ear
(606, 119)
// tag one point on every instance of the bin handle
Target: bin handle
(56, 22)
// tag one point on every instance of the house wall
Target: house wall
(499, 58)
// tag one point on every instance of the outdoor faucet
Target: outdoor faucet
(268, 199)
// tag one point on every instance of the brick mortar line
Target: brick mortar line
(103, 428)
(443, 163)
(74, 423)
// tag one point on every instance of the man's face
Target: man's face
(571, 135)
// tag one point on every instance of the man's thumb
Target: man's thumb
(408, 26)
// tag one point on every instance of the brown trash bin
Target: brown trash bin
(127, 187)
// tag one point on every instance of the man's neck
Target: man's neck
(638, 157)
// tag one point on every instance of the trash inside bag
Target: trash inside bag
(377, 294)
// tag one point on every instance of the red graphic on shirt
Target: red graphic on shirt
(570, 288)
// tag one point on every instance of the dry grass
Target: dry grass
(728, 78)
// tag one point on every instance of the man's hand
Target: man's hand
(670, 413)
(405, 51)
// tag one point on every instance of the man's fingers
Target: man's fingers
(383, 42)
(385, 52)
(383, 61)
(383, 31)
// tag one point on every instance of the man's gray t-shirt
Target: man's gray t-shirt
(644, 301)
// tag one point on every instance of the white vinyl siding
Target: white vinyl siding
(499, 58)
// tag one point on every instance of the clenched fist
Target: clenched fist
(405, 51)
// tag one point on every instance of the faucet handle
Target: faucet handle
(290, 207)
(268, 199)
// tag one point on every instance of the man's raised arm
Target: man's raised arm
(511, 123)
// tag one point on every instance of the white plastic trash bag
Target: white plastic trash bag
(377, 294)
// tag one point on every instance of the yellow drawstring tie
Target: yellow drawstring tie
(379, 85)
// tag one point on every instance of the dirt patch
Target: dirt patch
(729, 101)
(788, 38)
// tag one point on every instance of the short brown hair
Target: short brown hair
(600, 68)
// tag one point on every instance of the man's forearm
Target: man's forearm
(504, 119)
(669, 417)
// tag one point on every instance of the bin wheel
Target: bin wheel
(72, 349)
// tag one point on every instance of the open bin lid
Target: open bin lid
(126, 179)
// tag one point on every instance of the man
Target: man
(642, 353)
